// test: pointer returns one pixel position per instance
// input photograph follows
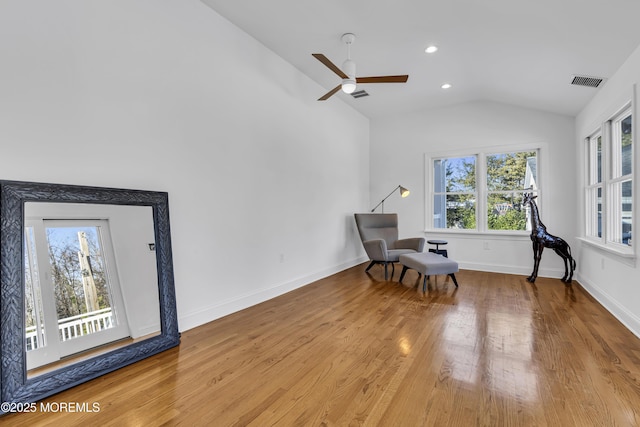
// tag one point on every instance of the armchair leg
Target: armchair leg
(393, 269)
(370, 265)
(386, 270)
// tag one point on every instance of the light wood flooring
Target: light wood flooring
(353, 350)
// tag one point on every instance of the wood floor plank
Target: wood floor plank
(356, 350)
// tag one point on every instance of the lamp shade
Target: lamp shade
(403, 192)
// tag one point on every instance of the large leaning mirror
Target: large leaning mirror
(87, 284)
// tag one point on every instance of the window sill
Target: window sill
(626, 254)
(507, 235)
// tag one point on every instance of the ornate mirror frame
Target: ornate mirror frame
(15, 386)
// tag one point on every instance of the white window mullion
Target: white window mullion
(481, 192)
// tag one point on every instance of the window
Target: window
(609, 183)
(482, 191)
(454, 193)
(594, 187)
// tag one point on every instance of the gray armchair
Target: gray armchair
(379, 234)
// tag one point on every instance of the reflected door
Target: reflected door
(73, 300)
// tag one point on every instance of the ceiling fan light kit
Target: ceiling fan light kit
(348, 85)
(348, 71)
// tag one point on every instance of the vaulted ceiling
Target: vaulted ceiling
(511, 51)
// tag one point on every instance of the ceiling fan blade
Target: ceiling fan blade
(330, 93)
(383, 79)
(320, 57)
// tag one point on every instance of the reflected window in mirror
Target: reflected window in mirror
(72, 298)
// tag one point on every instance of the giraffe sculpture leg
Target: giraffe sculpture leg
(537, 255)
(564, 251)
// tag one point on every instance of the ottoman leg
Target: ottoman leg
(453, 276)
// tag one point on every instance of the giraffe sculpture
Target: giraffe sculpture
(542, 239)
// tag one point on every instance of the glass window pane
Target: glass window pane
(457, 174)
(505, 212)
(626, 208)
(511, 171)
(626, 145)
(599, 210)
(594, 212)
(621, 200)
(598, 159)
(83, 301)
(457, 211)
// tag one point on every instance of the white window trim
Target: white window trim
(481, 154)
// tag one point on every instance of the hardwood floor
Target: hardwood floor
(354, 350)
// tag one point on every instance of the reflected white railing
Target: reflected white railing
(75, 326)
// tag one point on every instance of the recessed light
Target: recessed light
(431, 49)
(445, 86)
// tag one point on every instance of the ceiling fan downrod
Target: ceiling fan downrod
(348, 66)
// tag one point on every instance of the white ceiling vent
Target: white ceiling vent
(359, 94)
(586, 81)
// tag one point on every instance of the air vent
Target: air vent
(359, 94)
(587, 81)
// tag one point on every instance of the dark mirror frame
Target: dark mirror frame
(15, 386)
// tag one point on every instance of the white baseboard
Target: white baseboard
(223, 308)
(627, 318)
(510, 269)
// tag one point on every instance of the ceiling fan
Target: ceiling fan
(348, 76)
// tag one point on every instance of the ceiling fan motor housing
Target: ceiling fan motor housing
(349, 68)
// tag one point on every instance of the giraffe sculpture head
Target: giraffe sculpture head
(527, 198)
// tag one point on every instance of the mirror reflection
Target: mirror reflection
(91, 282)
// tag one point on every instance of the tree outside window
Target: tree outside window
(508, 174)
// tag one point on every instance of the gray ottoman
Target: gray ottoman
(428, 263)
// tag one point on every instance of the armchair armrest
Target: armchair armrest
(376, 249)
(415, 243)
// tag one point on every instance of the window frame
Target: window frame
(482, 192)
(612, 179)
(595, 182)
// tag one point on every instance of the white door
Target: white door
(72, 296)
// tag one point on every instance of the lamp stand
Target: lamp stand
(403, 192)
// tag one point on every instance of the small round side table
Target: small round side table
(437, 250)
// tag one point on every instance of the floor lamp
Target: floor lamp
(403, 192)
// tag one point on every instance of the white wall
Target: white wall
(612, 279)
(166, 95)
(398, 147)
